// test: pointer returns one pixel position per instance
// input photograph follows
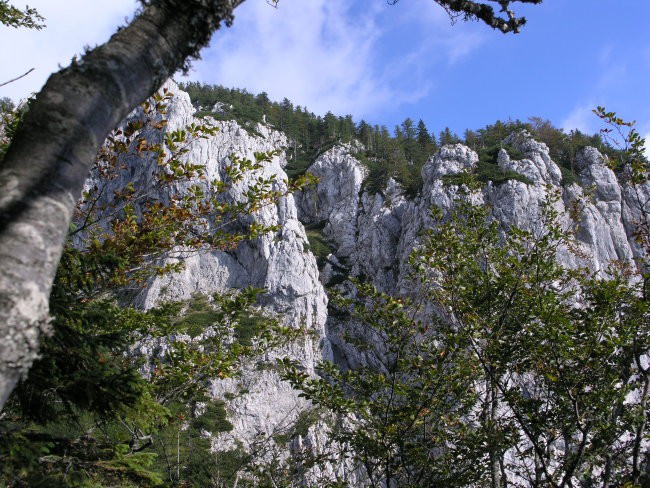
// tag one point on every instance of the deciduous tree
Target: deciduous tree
(518, 370)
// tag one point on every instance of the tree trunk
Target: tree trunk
(495, 448)
(640, 430)
(43, 172)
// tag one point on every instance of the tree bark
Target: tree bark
(495, 455)
(44, 170)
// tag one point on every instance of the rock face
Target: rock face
(335, 200)
(372, 236)
(278, 263)
(387, 225)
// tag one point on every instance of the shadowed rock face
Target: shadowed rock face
(371, 236)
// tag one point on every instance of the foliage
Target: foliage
(181, 450)
(405, 403)
(6, 105)
(86, 391)
(484, 172)
(631, 155)
(557, 373)
(507, 363)
(318, 245)
(14, 17)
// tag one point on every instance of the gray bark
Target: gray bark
(43, 172)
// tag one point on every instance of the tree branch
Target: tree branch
(18, 78)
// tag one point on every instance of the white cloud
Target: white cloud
(308, 51)
(328, 56)
(347, 57)
(71, 26)
(581, 118)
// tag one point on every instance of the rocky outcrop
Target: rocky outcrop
(386, 226)
(334, 202)
(381, 230)
(537, 166)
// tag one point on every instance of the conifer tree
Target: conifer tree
(447, 137)
(423, 136)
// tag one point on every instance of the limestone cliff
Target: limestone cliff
(380, 230)
(386, 225)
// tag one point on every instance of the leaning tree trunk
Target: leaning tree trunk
(43, 172)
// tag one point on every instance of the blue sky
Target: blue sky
(385, 63)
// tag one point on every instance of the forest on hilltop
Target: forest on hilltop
(399, 153)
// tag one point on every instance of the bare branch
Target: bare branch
(18, 78)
